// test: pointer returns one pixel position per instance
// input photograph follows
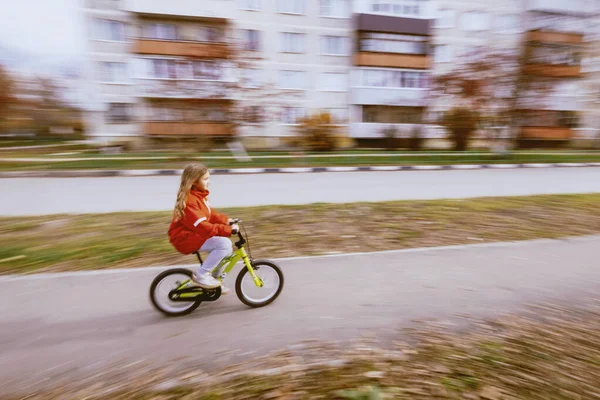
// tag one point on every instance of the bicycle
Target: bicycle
(182, 298)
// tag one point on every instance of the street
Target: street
(35, 196)
(82, 322)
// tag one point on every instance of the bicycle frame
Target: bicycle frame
(232, 260)
(229, 262)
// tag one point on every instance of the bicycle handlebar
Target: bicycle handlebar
(242, 240)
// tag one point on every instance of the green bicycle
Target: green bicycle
(258, 284)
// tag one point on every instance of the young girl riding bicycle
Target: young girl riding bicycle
(197, 227)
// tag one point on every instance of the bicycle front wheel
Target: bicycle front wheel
(254, 296)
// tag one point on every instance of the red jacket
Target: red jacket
(198, 224)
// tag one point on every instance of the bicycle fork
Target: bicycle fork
(257, 281)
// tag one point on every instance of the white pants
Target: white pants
(218, 248)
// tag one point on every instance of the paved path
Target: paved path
(80, 322)
(34, 196)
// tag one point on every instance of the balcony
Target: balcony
(392, 24)
(388, 96)
(546, 133)
(551, 102)
(184, 9)
(564, 7)
(389, 60)
(554, 71)
(554, 37)
(183, 89)
(181, 48)
(188, 128)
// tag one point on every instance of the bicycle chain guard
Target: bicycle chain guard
(203, 294)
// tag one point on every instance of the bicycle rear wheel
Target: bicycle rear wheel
(163, 284)
(254, 296)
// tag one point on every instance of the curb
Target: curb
(234, 171)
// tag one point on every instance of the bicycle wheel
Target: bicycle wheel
(254, 296)
(163, 284)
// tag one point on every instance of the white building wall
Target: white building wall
(454, 34)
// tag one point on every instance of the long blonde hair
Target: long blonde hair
(190, 175)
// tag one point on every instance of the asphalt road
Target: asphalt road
(36, 196)
(81, 322)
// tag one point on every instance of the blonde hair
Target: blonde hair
(190, 175)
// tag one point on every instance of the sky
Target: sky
(43, 27)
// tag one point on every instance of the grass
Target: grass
(19, 142)
(550, 352)
(86, 159)
(115, 162)
(96, 241)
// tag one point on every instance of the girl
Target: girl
(196, 227)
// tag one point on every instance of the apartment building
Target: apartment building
(558, 36)
(187, 68)
(391, 67)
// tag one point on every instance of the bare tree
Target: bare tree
(255, 103)
(7, 97)
(493, 84)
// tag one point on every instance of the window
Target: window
(178, 112)
(389, 78)
(157, 68)
(339, 116)
(294, 80)
(476, 21)
(392, 115)
(566, 119)
(333, 82)
(253, 114)
(164, 69)
(507, 23)
(379, 6)
(251, 40)
(443, 53)
(118, 113)
(251, 78)
(334, 45)
(393, 43)
(335, 8)
(290, 6)
(292, 42)
(554, 55)
(160, 31)
(109, 30)
(446, 19)
(113, 72)
(210, 34)
(567, 88)
(400, 7)
(208, 70)
(292, 115)
(554, 22)
(253, 5)
(106, 5)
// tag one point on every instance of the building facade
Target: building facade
(252, 68)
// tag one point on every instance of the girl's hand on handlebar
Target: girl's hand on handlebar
(235, 229)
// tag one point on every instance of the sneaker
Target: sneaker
(205, 281)
(225, 290)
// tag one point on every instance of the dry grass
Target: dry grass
(95, 241)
